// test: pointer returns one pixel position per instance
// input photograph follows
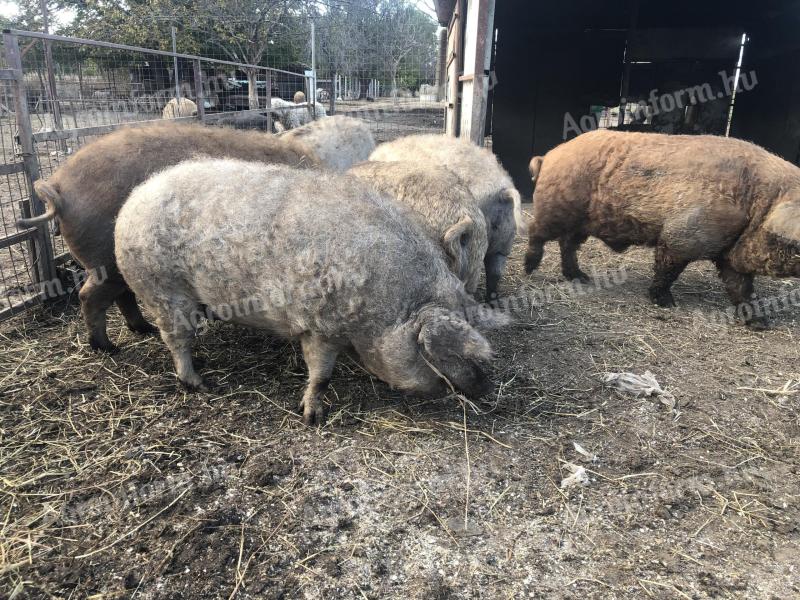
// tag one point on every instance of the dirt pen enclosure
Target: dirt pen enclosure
(118, 484)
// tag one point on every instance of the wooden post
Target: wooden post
(42, 251)
(332, 109)
(477, 60)
(455, 66)
(199, 94)
(175, 68)
(441, 64)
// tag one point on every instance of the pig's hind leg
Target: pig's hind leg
(97, 295)
(134, 318)
(176, 318)
(320, 356)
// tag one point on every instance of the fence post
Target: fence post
(268, 76)
(198, 91)
(334, 77)
(42, 251)
(50, 88)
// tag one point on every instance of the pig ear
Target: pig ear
(535, 167)
(784, 221)
(456, 239)
(448, 337)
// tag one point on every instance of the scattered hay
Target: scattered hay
(116, 483)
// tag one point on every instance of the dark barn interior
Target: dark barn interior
(572, 58)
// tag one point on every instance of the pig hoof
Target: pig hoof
(144, 329)
(195, 385)
(313, 414)
(662, 299)
(758, 325)
(106, 347)
(530, 264)
(580, 277)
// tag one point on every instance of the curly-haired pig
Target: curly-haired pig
(442, 204)
(490, 184)
(314, 256)
(87, 191)
(691, 197)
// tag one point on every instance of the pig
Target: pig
(691, 197)
(442, 204)
(489, 183)
(87, 191)
(314, 256)
(339, 142)
(179, 108)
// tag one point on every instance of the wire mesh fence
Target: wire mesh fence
(76, 89)
(16, 255)
(68, 91)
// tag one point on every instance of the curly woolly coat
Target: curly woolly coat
(338, 142)
(442, 204)
(692, 197)
(88, 190)
(309, 255)
(483, 175)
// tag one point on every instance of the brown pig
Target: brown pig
(87, 192)
(691, 197)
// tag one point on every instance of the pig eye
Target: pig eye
(464, 240)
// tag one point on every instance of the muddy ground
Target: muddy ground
(114, 483)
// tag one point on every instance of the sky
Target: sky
(10, 9)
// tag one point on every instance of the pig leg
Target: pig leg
(177, 330)
(320, 356)
(134, 318)
(740, 290)
(96, 297)
(494, 265)
(668, 268)
(569, 258)
(533, 257)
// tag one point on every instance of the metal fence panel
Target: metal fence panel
(59, 93)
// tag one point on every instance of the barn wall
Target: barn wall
(769, 115)
(549, 66)
(554, 59)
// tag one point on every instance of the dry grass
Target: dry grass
(116, 484)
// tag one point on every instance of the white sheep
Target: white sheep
(291, 115)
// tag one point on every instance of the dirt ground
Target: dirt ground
(114, 483)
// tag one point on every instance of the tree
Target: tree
(406, 30)
(241, 29)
